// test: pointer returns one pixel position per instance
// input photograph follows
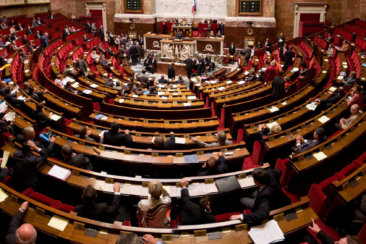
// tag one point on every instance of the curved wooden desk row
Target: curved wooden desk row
(222, 91)
(235, 152)
(324, 119)
(145, 138)
(159, 104)
(289, 118)
(306, 160)
(186, 125)
(280, 106)
(39, 215)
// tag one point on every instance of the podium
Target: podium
(185, 29)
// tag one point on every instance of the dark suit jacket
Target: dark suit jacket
(25, 169)
(268, 46)
(289, 54)
(44, 41)
(15, 223)
(278, 87)
(220, 169)
(99, 211)
(306, 146)
(171, 72)
(192, 213)
(232, 50)
(3, 173)
(133, 51)
(82, 66)
(13, 100)
(42, 119)
(169, 144)
(189, 64)
(271, 197)
(324, 238)
(117, 139)
(80, 161)
(162, 81)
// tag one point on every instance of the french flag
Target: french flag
(194, 7)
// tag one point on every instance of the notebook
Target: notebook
(227, 184)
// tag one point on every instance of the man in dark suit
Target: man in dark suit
(165, 28)
(88, 27)
(101, 211)
(77, 160)
(269, 196)
(267, 45)
(162, 80)
(281, 43)
(29, 30)
(44, 40)
(153, 65)
(288, 56)
(247, 51)
(221, 28)
(41, 118)
(143, 79)
(83, 67)
(189, 64)
(37, 35)
(194, 213)
(278, 86)
(303, 145)
(334, 97)
(134, 54)
(232, 49)
(115, 136)
(4, 172)
(168, 144)
(171, 71)
(18, 233)
(214, 166)
(101, 33)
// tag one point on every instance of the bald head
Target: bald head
(26, 234)
(355, 108)
(28, 133)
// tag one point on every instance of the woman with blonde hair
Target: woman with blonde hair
(151, 212)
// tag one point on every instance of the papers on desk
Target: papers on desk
(191, 158)
(246, 72)
(323, 119)
(339, 77)
(59, 172)
(212, 82)
(58, 223)
(246, 182)
(192, 97)
(175, 86)
(22, 98)
(101, 116)
(3, 195)
(269, 232)
(187, 104)
(26, 70)
(241, 82)
(284, 103)
(55, 117)
(94, 85)
(269, 125)
(197, 85)
(3, 106)
(195, 189)
(210, 188)
(319, 156)
(86, 91)
(10, 116)
(180, 140)
(175, 94)
(229, 82)
(295, 69)
(221, 88)
(164, 98)
(75, 85)
(273, 109)
(332, 88)
(121, 100)
(161, 93)
(134, 95)
(5, 159)
(311, 106)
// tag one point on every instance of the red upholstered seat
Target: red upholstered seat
(224, 217)
(256, 158)
(282, 165)
(41, 198)
(362, 234)
(316, 194)
(66, 207)
(347, 170)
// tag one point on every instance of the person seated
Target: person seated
(69, 71)
(84, 134)
(100, 49)
(355, 114)
(116, 137)
(77, 160)
(41, 118)
(68, 87)
(334, 97)
(180, 80)
(325, 239)
(264, 130)
(269, 196)
(356, 97)
(108, 80)
(17, 233)
(28, 134)
(303, 145)
(344, 48)
(330, 51)
(95, 57)
(151, 212)
(101, 211)
(194, 213)
(11, 98)
(103, 61)
(33, 93)
(25, 166)
(137, 88)
(171, 71)
(221, 141)
(143, 79)
(162, 80)
(214, 166)
(251, 77)
(4, 172)
(159, 143)
(350, 80)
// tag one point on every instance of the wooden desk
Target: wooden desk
(186, 30)
(180, 69)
